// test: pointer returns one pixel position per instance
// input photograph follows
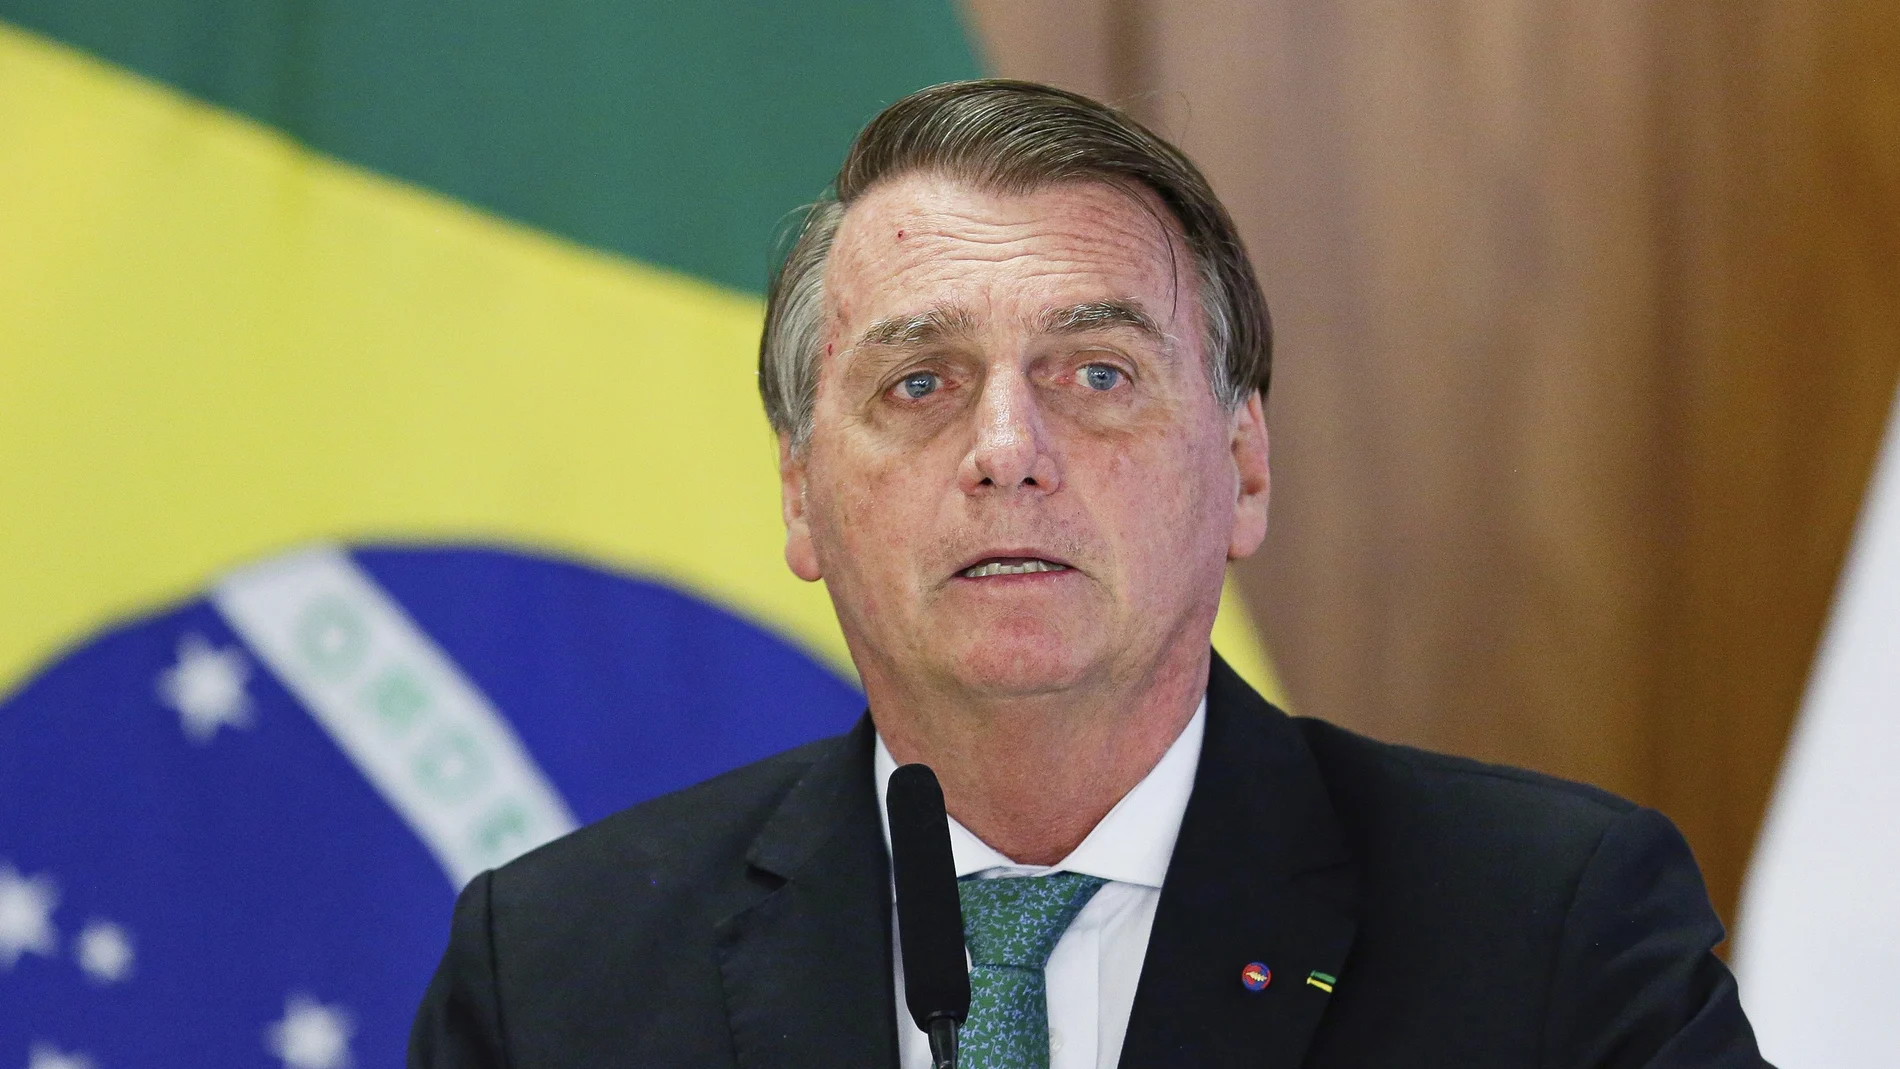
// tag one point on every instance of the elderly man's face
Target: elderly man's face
(1018, 479)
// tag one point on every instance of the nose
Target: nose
(1011, 448)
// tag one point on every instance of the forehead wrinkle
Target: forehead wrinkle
(950, 225)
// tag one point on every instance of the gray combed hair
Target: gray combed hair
(1012, 137)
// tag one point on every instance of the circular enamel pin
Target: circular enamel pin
(1256, 976)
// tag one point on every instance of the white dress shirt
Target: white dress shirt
(1093, 972)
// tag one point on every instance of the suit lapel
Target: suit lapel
(1259, 874)
(807, 969)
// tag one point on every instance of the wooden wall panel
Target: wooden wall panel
(1783, 338)
(1588, 317)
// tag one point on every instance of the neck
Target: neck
(1032, 775)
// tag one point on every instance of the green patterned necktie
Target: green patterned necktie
(1011, 926)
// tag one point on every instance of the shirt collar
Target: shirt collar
(1132, 844)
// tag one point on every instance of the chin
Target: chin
(1018, 664)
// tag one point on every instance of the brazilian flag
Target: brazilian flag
(383, 484)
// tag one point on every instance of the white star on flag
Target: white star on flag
(47, 1056)
(26, 915)
(104, 950)
(206, 686)
(311, 1035)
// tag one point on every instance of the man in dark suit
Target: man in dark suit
(1017, 366)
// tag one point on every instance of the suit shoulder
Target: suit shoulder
(709, 824)
(1433, 804)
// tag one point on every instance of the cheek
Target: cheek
(868, 516)
(1164, 501)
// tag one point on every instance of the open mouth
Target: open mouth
(1011, 566)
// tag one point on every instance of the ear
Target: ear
(1250, 462)
(800, 555)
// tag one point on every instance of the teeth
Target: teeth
(982, 570)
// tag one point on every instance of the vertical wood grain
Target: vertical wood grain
(1783, 334)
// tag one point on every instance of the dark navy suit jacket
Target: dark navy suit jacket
(1470, 917)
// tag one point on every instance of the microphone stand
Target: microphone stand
(943, 1043)
(929, 914)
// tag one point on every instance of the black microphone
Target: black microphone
(929, 915)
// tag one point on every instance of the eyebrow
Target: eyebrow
(910, 332)
(914, 331)
(1091, 316)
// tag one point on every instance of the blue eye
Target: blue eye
(1100, 376)
(919, 385)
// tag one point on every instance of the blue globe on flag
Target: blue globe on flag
(231, 832)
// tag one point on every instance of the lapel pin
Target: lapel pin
(1256, 976)
(1323, 981)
